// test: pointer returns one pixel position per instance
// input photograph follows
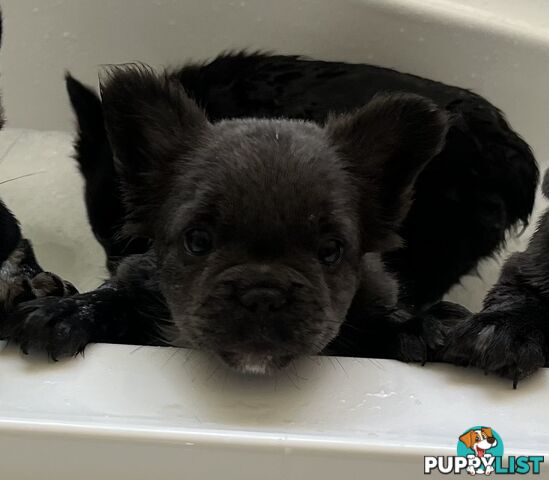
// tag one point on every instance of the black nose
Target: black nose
(263, 299)
(491, 440)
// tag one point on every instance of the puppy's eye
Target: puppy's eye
(198, 241)
(330, 251)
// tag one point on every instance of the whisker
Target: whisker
(176, 351)
(376, 363)
(292, 380)
(342, 367)
(214, 371)
(187, 357)
(137, 349)
(21, 176)
(296, 372)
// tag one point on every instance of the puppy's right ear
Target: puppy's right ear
(385, 145)
(152, 127)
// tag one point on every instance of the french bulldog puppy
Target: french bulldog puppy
(481, 185)
(266, 234)
(510, 336)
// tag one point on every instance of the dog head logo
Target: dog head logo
(479, 440)
(480, 445)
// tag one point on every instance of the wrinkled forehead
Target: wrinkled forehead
(271, 176)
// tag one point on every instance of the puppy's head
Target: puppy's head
(260, 225)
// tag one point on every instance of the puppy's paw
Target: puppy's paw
(426, 334)
(412, 348)
(503, 342)
(48, 284)
(439, 321)
(22, 279)
(58, 326)
(23, 288)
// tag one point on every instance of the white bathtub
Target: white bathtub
(143, 413)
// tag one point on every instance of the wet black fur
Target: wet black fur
(481, 185)
(478, 187)
(270, 191)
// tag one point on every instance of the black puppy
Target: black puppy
(21, 277)
(458, 218)
(510, 336)
(264, 232)
(480, 185)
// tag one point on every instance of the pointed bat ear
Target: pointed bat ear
(385, 145)
(152, 126)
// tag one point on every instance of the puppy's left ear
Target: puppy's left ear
(153, 128)
(385, 145)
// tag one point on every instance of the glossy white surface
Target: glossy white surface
(145, 413)
(176, 412)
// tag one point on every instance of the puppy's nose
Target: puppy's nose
(263, 299)
(491, 440)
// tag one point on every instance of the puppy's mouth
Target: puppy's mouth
(255, 363)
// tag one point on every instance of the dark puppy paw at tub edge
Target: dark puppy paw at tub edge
(424, 336)
(56, 326)
(491, 342)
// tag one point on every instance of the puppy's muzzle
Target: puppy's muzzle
(263, 299)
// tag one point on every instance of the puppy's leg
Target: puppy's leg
(377, 326)
(507, 341)
(509, 336)
(395, 333)
(64, 326)
(127, 310)
(432, 327)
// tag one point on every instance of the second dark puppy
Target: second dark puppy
(266, 234)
